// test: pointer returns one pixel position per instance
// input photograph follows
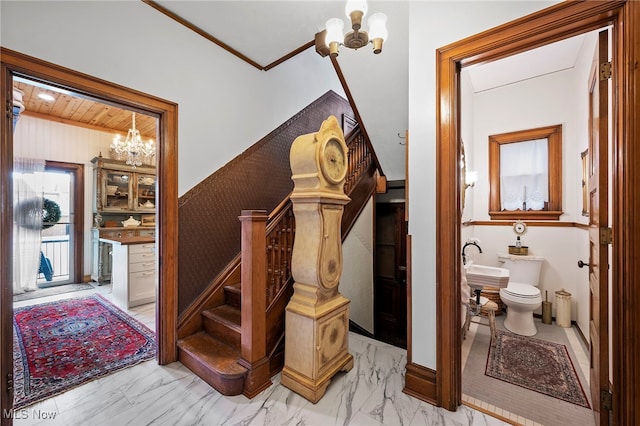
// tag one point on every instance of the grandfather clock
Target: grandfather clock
(317, 317)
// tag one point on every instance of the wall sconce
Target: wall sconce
(470, 179)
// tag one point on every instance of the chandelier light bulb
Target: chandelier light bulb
(355, 11)
(334, 36)
(378, 30)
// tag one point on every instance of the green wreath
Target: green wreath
(50, 213)
(26, 211)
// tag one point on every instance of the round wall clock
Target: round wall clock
(520, 228)
(333, 161)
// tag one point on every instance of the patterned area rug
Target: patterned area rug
(536, 365)
(63, 344)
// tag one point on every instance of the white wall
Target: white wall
(433, 25)
(50, 140)
(225, 105)
(356, 283)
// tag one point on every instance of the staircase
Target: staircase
(213, 353)
(232, 335)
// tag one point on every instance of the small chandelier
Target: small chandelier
(136, 151)
(356, 38)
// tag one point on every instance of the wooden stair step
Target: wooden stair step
(223, 323)
(213, 361)
(233, 295)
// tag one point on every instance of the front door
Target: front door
(599, 235)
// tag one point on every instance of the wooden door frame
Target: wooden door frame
(549, 25)
(77, 171)
(15, 63)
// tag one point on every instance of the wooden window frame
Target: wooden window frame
(553, 209)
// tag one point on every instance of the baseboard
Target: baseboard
(359, 330)
(420, 382)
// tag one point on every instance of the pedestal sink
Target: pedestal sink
(481, 276)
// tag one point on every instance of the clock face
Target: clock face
(333, 161)
(519, 228)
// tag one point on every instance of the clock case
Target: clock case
(317, 316)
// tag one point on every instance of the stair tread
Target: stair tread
(226, 314)
(214, 353)
(233, 288)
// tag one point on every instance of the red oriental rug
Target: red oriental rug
(536, 365)
(64, 344)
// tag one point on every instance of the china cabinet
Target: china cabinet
(120, 188)
(120, 192)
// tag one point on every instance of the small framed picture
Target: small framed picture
(148, 220)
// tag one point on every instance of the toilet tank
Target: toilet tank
(522, 269)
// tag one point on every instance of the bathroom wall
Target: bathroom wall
(557, 98)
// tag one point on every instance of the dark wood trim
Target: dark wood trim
(626, 217)
(222, 44)
(489, 413)
(77, 170)
(552, 211)
(551, 24)
(345, 87)
(409, 298)
(14, 63)
(536, 223)
(289, 55)
(6, 248)
(421, 382)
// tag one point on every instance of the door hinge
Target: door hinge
(606, 400)
(606, 236)
(605, 70)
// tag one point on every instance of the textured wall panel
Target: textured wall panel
(259, 178)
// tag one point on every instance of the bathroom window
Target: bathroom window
(525, 173)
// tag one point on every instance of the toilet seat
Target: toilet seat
(522, 291)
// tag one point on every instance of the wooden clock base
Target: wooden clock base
(317, 345)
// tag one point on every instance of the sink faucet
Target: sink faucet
(468, 243)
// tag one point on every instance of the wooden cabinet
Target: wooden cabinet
(123, 189)
(134, 274)
(120, 191)
(102, 250)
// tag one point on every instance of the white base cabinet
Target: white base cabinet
(133, 275)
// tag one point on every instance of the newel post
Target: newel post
(254, 302)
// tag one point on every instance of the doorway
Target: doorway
(62, 243)
(390, 291)
(568, 19)
(510, 105)
(16, 64)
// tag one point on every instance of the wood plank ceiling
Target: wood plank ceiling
(72, 109)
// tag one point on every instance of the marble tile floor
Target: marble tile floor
(149, 394)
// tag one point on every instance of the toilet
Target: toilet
(521, 295)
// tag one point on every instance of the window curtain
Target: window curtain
(27, 224)
(524, 176)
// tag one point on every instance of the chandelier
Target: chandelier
(134, 151)
(331, 38)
